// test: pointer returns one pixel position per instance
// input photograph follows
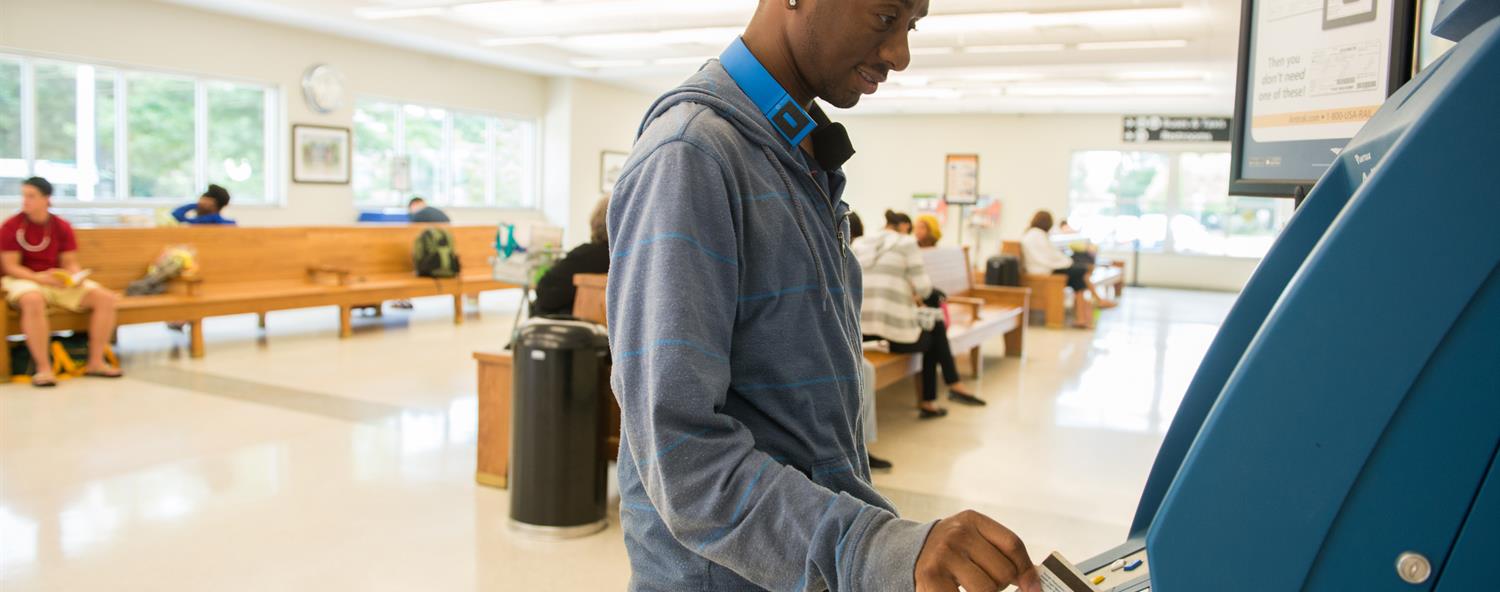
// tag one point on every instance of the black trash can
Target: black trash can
(557, 465)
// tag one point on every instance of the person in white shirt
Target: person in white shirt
(895, 280)
(867, 376)
(1043, 258)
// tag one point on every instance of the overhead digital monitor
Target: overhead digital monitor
(1311, 73)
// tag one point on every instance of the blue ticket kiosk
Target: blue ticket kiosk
(1341, 432)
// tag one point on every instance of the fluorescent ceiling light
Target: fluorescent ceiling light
(926, 51)
(1002, 76)
(605, 64)
(918, 93)
(1163, 75)
(1118, 45)
(1018, 48)
(517, 41)
(381, 13)
(1106, 90)
(549, 16)
(715, 36)
(1036, 21)
(688, 61)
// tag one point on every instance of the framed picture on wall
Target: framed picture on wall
(961, 179)
(611, 164)
(320, 154)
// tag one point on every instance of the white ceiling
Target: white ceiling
(1006, 56)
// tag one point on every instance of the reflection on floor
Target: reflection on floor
(298, 461)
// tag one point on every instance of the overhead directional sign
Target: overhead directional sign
(1175, 128)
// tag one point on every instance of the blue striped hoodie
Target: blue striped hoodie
(734, 325)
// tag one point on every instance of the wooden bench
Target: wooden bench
(376, 261)
(1049, 292)
(258, 270)
(476, 246)
(978, 313)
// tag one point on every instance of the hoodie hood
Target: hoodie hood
(714, 88)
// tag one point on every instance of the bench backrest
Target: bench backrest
(232, 255)
(589, 301)
(119, 256)
(949, 269)
(386, 249)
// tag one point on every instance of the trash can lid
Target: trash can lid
(545, 333)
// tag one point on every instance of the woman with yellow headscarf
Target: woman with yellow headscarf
(927, 231)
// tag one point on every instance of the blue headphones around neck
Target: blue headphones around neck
(789, 118)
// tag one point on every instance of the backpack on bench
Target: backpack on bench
(433, 254)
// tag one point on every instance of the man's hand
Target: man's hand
(969, 549)
(48, 278)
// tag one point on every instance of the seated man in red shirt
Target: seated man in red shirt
(39, 255)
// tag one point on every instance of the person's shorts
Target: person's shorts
(69, 299)
(1076, 275)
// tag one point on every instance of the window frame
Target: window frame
(273, 113)
(446, 165)
(1175, 200)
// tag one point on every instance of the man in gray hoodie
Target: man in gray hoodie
(734, 324)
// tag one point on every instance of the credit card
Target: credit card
(1059, 575)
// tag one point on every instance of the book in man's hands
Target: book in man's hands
(70, 280)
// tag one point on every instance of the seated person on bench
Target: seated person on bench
(927, 231)
(1042, 259)
(1084, 250)
(894, 281)
(40, 258)
(555, 292)
(903, 222)
(867, 374)
(209, 209)
(423, 213)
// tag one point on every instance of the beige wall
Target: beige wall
(160, 36)
(602, 118)
(1024, 161)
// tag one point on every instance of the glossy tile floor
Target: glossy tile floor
(297, 461)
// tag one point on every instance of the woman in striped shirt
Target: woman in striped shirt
(895, 281)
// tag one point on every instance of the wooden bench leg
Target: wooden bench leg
(195, 338)
(260, 318)
(346, 321)
(458, 309)
(1055, 307)
(5, 339)
(1015, 340)
(976, 362)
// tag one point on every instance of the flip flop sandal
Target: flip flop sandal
(967, 399)
(926, 414)
(44, 383)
